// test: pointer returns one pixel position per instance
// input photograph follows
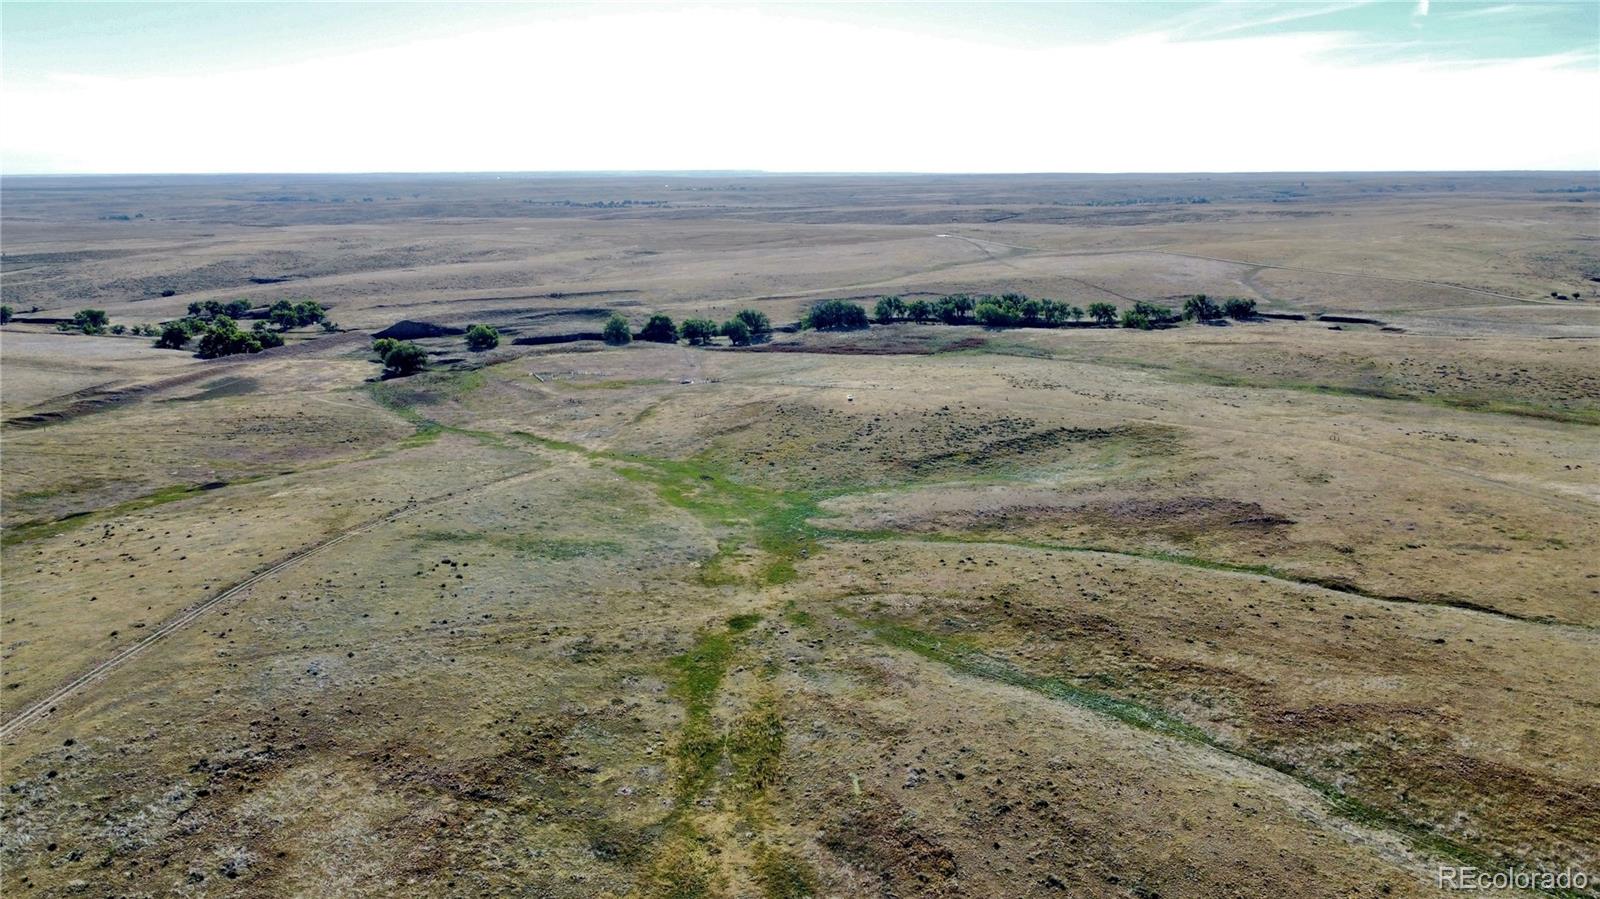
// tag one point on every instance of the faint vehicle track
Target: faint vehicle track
(48, 704)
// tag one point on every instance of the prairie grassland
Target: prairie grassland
(1261, 609)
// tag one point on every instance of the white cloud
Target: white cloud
(1422, 8)
(770, 90)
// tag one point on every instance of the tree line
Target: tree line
(1012, 310)
(746, 327)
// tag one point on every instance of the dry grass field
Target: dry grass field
(1282, 607)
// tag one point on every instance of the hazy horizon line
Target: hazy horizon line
(789, 173)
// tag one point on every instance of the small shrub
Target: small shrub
(383, 345)
(616, 331)
(659, 329)
(836, 315)
(482, 337)
(5, 314)
(699, 331)
(1134, 318)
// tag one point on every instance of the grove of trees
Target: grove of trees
(222, 337)
(285, 315)
(87, 321)
(836, 315)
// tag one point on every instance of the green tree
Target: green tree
(5, 314)
(173, 336)
(1136, 318)
(266, 339)
(1158, 315)
(616, 331)
(1104, 314)
(836, 315)
(889, 309)
(756, 320)
(383, 345)
(920, 311)
(659, 329)
(1239, 308)
(222, 337)
(1201, 308)
(953, 309)
(482, 337)
(285, 315)
(996, 315)
(90, 321)
(737, 332)
(699, 331)
(405, 358)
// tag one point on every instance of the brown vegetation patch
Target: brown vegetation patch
(873, 831)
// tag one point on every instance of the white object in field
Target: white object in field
(849, 397)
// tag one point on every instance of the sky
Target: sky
(905, 87)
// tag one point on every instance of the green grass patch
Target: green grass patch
(682, 868)
(796, 616)
(967, 658)
(784, 875)
(696, 676)
(560, 445)
(402, 395)
(755, 745)
(741, 623)
(777, 520)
